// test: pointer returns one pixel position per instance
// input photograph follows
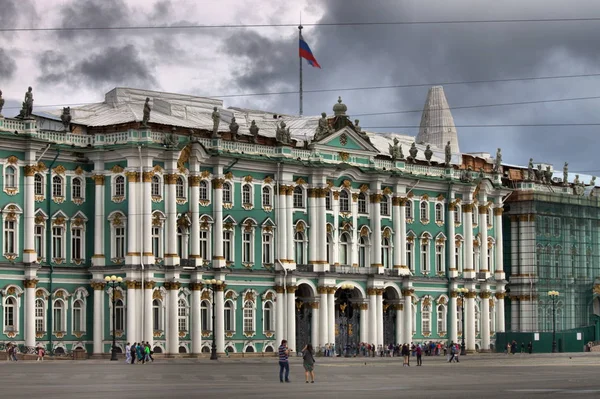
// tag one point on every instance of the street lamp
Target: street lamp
(114, 282)
(347, 289)
(213, 285)
(553, 295)
(461, 293)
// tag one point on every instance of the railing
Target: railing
(304, 268)
(13, 124)
(352, 270)
(383, 164)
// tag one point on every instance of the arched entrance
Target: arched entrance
(391, 301)
(347, 321)
(304, 300)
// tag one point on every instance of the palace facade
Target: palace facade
(319, 231)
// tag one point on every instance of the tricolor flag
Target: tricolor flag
(307, 54)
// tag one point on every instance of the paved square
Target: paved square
(476, 376)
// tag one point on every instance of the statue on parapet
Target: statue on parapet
(282, 135)
(539, 174)
(233, 128)
(447, 155)
(323, 129)
(66, 117)
(147, 109)
(548, 175)
(396, 150)
(216, 117)
(530, 172)
(254, 131)
(576, 182)
(566, 174)
(467, 174)
(593, 181)
(498, 161)
(413, 151)
(27, 107)
(428, 154)
(1, 102)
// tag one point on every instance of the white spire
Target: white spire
(437, 125)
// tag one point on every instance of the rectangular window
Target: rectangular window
(248, 318)
(425, 257)
(76, 187)
(38, 241)
(76, 244)
(39, 318)
(227, 317)
(328, 201)
(439, 258)
(384, 207)
(204, 244)
(426, 321)
(156, 242)
(266, 197)
(266, 249)
(247, 247)
(77, 319)
(228, 246)
(182, 318)
(409, 256)
(120, 242)
(204, 318)
(58, 318)
(57, 243)
(10, 244)
(408, 211)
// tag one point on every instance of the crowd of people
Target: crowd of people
(139, 352)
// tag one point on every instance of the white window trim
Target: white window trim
(58, 198)
(186, 317)
(63, 240)
(11, 190)
(444, 319)
(44, 313)
(253, 317)
(82, 228)
(82, 320)
(42, 196)
(271, 247)
(157, 197)
(81, 198)
(6, 214)
(113, 238)
(161, 314)
(207, 200)
(248, 204)
(348, 246)
(271, 315)
(457, 215)
(62, 328)
(425, 310)
(410, 254)
(17, 311)
(252, 255)
(123, 299)
(409, 211)
(358, 200)
(303, 189)
(387, 200)
(113, 186)
(181, 199)
(232, 243)
(367, 250)
(427, 217)
(304, 242)
(233, 315)
(207, 327)
(348, 201)
(269, 206)
(442, 212)
(440, 267)
(425, 268)
(389, 249)
(231, 201)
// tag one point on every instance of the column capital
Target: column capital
(289, 190)
(331, 290)
(398, 201)
(379, 291)
(291, 289)
(483, 209)
(408, 291)
(336, 195)
(130, 284)
(133, 177)
(194, 181)
(471, 295)
(98, 285)
(172, 285)
(376, 198)
(196, 286)
(279, 289)
(498, 211)
(398, 306)
(467, 208)
(138, 285)
(217, 183)
(282, 189)
(500, 295)
(311, 192)
(221, 287)
(314, 305)
(149, 285)
(170, 178)
(30, 283)
(371, 291)
(98, 179)
(363, 306)
(485, 294)
(453, 294)
(321, 289)
(30, 170)
(147, 176)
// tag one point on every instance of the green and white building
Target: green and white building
(325, 241)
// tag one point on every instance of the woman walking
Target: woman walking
(309, 362)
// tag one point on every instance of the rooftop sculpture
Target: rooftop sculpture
(233, 128)
(147, 109)
(282, 136)
(27, 106)
(216, 117)
(1, 102)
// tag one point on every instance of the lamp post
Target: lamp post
(347, 290)
(213, 285)
(553, 295)
(114, 282)
(461, 294)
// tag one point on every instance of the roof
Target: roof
(437, 124)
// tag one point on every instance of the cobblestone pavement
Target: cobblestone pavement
(476, 376)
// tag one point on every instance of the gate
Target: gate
(303, 325)
(389, 326)
(347, 322)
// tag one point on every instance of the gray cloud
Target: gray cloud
(7, 66)
(90, 13)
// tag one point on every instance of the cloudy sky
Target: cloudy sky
(70, 67)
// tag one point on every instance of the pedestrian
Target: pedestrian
(284, 364)
(452, 353)
(419, 351)
(146, 353)
(530, 347)
(309, 363)
(8, 352)
(405, 355)
(133, 353)
(127, 353)
(522, 347)
(151, 352)
(14, 351)
(40, 354)
(139, 353)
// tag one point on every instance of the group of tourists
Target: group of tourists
(511, 347)
(308, 360)
(139, 351)
(11, 352)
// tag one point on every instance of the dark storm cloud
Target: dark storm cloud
(406, 54)
(7, 66)
(91, 13)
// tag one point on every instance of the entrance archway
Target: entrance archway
(347, 321)
(304, 300)
(391, 300)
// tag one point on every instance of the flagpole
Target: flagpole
(300, 63)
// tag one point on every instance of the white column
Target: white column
(450, 259)
(335, 207)
(331, 314)
(396, 223)
(314, 330)
(148, 313)
(282, 230)
(194, 182)
(402, 232)
(196, 333)
(131, 332)
(364, 328)
(501, 324)
(279, 314)
(291, 317)
(98, 258)
(146, 233)
(499, 250)
(407, 335)
(483, 245)
(452, 319)
(485, 320)
(139, 310)
(29, 254)
(313, 230)
(322, 226)
(353, 261)
(470, 321)
(97, 329)
(379, 317)
(219, 327)
(218, 260)
(468, 270)
(30, 285)
(376, 230)
(398, 326)
(289, 214)
(173, 331)
(171, 256)
(371, 294)
(323, 319)
(133, 227)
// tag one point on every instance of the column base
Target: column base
(219, 263)
(320, 267)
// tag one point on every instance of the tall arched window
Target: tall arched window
(10, 177)
(182, 315)
(363, 251)
(228, 245)
(58, 320)
(268, 316)
(424, 210)
(440, 263)
(57, 186)
(40, 316)
(247, 246)
(180, 187)
(385, 252)
(246, 194)
(457, 214)
(78, 316)
(38, 184)
(425, 266)
(119, 315)
(203, 189)
(410, 259)
(329, 248)
(328, 201)
(299, 247)
(408, 210)
(384, 205)
(362, 203)
(120, 186)
(10, 236)
(426, 319)
(439, 212)
(248, 317)
(344, 201)
(155, 186)
(266, 197)
(475, 215)
(298, 197)
(227, 193)
(157, 319)
(441, 319)
(205, 316)
(76, 192)
(344, 243)
(267, 248)
(10, 314)
(458, 253)
(58, 242)
(228, 316)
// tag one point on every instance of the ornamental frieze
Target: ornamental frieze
(30, 170)
(117, 169)
(12, 160)
(98, 179)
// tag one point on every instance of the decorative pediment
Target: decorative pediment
(346, 140)
(229, 222)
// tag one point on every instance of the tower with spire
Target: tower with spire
(437, 125)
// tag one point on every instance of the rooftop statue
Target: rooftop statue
(576, 182)
(497, 161)
(147, 109)
(548, 175)
(530, 173)
(593, 181)
(539, 174)
(170, 140)
(66, 117)
(27, 108)
(233, 128)
(216, 117)
(413, 151)
(396, 150)
(282, 135)
(357, 128)
(323, 128)
(1, 102)
(447, 154)
(254, 131)
(566, 174)
(467, 175)
(428, 154)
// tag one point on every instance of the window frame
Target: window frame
(362, 204)
(298, 198)
(249, 317)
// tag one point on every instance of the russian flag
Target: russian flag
(307, 54)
